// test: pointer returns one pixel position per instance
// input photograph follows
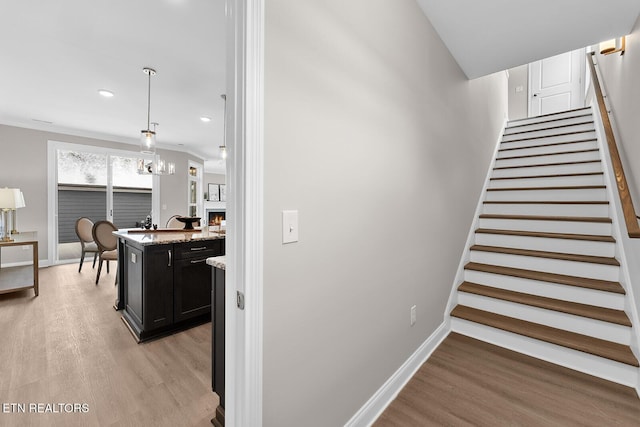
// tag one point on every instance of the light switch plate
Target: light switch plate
(289, 226)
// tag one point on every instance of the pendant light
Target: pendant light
(148, 137)
(157, 166)
(223, 147)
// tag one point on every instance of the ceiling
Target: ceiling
(56, 55)
(494, 35)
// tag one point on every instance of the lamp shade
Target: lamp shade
(11, 198)
(147, 142)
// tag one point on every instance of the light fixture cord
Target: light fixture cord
(149, 103)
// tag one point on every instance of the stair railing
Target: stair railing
(630, 216)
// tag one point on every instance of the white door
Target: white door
(556, 83)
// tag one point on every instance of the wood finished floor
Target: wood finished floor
(467, 382)
(69, 346)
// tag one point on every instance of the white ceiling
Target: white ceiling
(56, 55)
(493, 35)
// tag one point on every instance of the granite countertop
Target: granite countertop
(162, 237)
(218, 262)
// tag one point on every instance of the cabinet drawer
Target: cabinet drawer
(199, 249)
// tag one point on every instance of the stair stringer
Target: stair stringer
(626, 248)
(466, 254)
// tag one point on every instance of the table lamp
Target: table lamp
(14, 217)
(10, 199)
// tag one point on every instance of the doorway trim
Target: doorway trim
(245, 207)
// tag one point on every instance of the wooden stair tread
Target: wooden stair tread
(542, 165)
(562, 187)
(597, 219)
(590, 150)
(543, 116)
(550, 128)
(546, 121)
(547, 136)
(558, 175)
(567, 236)
(561, 279)
(553, 144)
(595, 346)
(550, 255)
(547, 202)
(609, 315)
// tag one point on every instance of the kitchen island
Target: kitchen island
(164, 281)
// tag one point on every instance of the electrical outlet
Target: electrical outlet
(413, 315)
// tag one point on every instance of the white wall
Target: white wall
(621, 80)
(621, 83)
(519, 101)
(375, 135)
(24, 165)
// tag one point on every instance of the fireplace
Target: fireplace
(215, 216)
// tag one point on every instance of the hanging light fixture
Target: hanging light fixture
(223, 147)
(148, 137)
(157, 166)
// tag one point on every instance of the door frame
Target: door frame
(245, 206)
(52, 188)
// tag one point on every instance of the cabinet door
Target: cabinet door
(158, 286)
(133, 273)
(192, 288)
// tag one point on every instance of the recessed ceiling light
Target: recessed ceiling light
(105, 93)
(205, 119)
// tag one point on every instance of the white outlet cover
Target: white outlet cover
(289, 226)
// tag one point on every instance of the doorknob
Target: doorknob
(535, 94)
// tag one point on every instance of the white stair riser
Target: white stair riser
(557, 266)
(513, 141)
(568, 227)
(555, 319)
(593, 365)
(579, 210)
(547, 289)
(546, 149)
(548, 182)
(582, 194)
(551, 158)
(567, 246)
(544, 125)
(549, 132)
(543, 119)
(542, 142)
(548, 170)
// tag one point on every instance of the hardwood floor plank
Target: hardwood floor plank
(469, 382)
(70, 346)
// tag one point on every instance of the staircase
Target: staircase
(543, 278)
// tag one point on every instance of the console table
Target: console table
(20, 274)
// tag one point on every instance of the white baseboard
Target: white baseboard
(374, 407)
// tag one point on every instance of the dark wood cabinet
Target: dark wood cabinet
(158, 286)
(217, 331)
(166, 287)
(191, 299)
(218, 341)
